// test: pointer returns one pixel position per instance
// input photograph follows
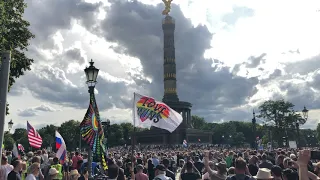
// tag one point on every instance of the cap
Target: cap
(53, 171)
(222, 165)
(160, 167)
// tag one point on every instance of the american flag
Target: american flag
(34, 137)
(20, 147)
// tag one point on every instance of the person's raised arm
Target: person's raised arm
(303, 160)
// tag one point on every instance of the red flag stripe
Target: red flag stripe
(34, 138)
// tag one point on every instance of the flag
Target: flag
(184, 143)
(34, 137)
(149, 112)
(20, 148)
(61, 148)
(92, 132)
(15, 151)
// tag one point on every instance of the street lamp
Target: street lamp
(305, 112)
(302, 121)
(91, 74)
(254, 129)
(10, 124)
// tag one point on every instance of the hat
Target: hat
(222, 165)
(53, 171)
(293, 156)
(263, 173)
(30, 154)
(74, 172)
(160, 167)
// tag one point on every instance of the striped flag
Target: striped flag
(20, 148)
(61, 148)
(34, 137)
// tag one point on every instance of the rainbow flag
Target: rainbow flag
(92, 132)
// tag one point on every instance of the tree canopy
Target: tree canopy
(15, 36)
(235, 133)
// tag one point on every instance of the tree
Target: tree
(70, 131)
(15, 36)
(48, 135)
(282, 116)
(8, 141)
(198, 122)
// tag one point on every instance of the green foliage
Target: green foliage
(15, 36)
(70, 130)
(8, 140)
(198, 122)
(281, 115)
(234, 133)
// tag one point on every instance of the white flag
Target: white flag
(15, 151)
(149, 112)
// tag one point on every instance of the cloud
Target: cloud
(136, 28)
(237, 13)
(33, 111)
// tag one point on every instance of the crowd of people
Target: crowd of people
(205, 162)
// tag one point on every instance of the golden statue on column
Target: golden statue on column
(167, 4)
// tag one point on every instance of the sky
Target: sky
(231, 56)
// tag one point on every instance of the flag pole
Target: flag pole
(134, 131)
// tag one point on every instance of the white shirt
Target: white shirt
(5, 170)
(30, 177)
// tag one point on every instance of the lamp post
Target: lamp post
(254, 130)
(91, 74)
(302, 121)
(10, 125)
(106, 127)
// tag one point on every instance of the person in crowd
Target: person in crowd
(74, 174)
(84, 175)
(221, 168)
(151, 172)
(264, 174)
(231, 171)
(15, 173)
(241, 170)
(160, 173)
(198, 164)
(58, 167)
(53, 174)
(265, 163)
(169, 173)
(113, 172)
(9, 156)
(37, 159)
(206, 175)
(253, 168)
(276, 172)
(140, 175)
(75, 160)
(190, 172)
(5, 167)
(33, 171)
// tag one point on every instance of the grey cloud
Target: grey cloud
(255, 61)
(33, 111)
(238, 12)
(47, 16)
(304, 66)
(53, 85)
(136, 28)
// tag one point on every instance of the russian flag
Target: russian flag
(61, 148)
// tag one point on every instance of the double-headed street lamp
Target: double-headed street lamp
(10, 125)
(91, 74)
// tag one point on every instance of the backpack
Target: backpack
(234, 178)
